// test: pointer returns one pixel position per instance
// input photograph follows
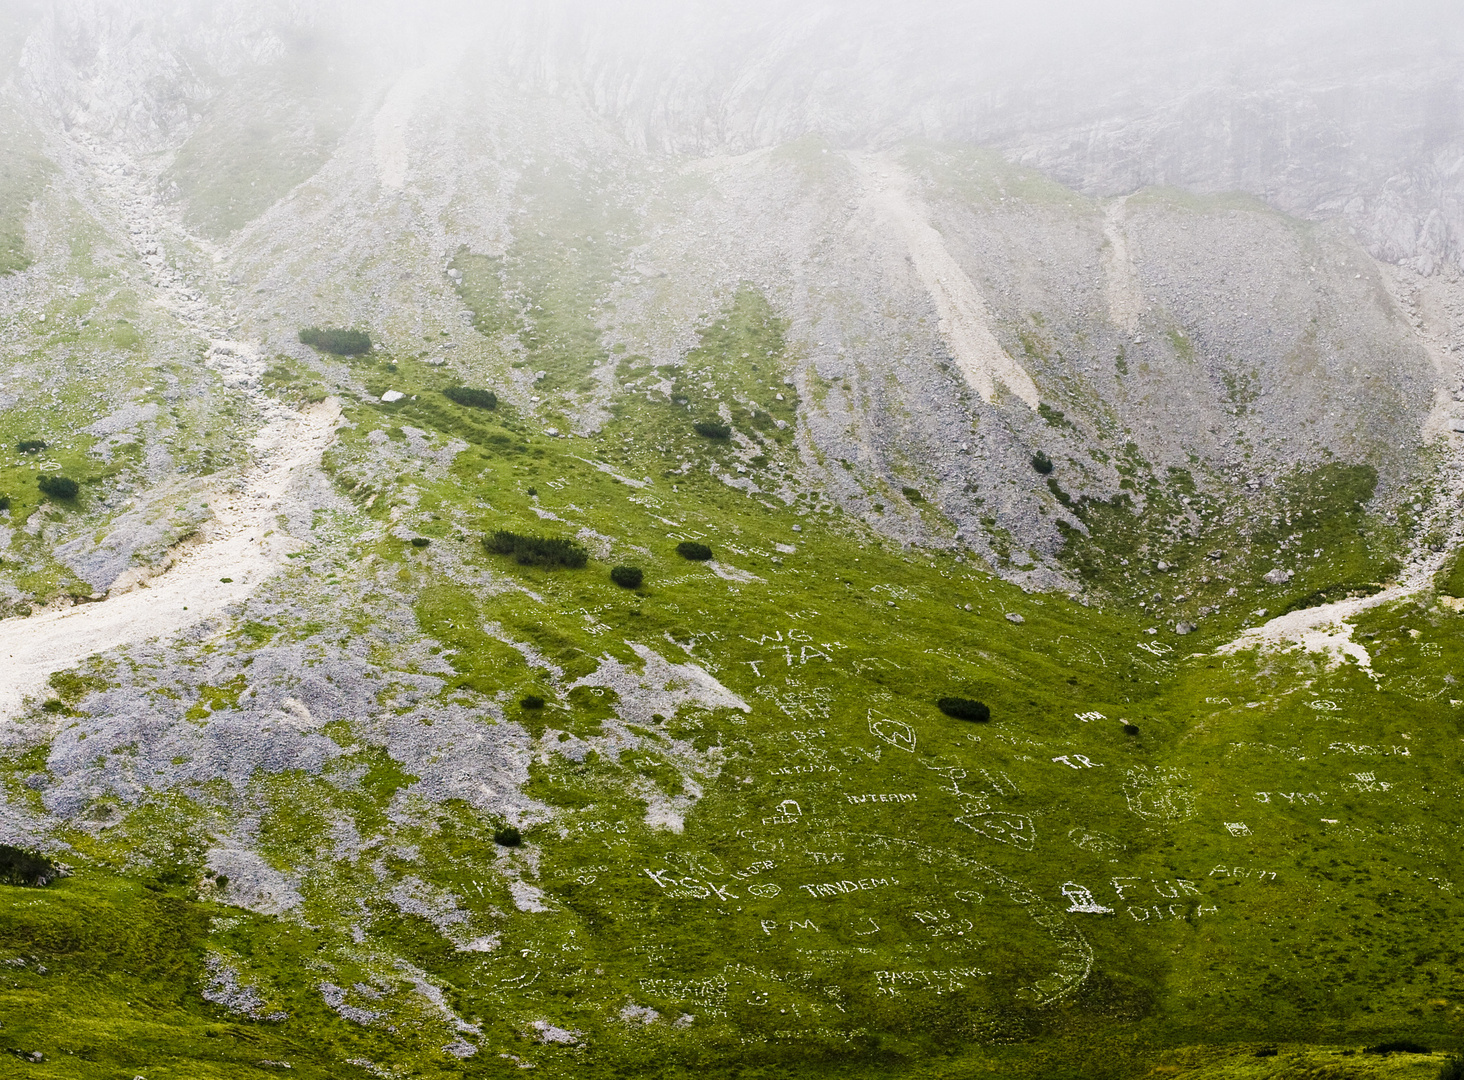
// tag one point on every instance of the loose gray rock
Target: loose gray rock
(1276, 576)
(1013, 617)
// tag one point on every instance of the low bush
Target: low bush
(26, 868)
(4, 502)
(964, 709)
(338, 341)
(532, 701)
(58, 487)
(420, 541)
(473, 399)
(1453, 1068)
(1042, 463)
(536, 550)
(31, 446)
(710, 429)
(1398, 1046)
(690, 549)
(913, 494)
(1131, 729)
(508, 836)
(627, 577)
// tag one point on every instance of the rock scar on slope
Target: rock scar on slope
(964, 319)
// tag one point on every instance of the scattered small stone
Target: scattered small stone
(1013, 617)
(1276, 576)
(393, 395)
(1161, 566)
(1184, 628)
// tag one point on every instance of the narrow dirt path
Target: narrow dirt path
(241, 546)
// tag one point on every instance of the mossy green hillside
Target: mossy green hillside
(261, 136)
(746, 821)
(545, 295)
(1182, 552)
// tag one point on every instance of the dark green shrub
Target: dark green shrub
(338, 341)
(1042, 463)
(58, 487)
(536, 550)
(532, 701)
(710, 429)
(1131, 729)
(964, 709)
(533, 492)
(690, 549)
(31, 446)
(420, 541)
(25, 868)
(1453, 1068)
(508, 836)
(1398, 1046)
(627, 577)
(4, 502)
(473, 399)
(913, 494)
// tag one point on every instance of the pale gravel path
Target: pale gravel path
(243, 542)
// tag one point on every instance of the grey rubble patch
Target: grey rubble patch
(226, 989)
(123, 419)
(639, 1014)
(253, 883)
(527, 897)
(545, 1032)
(413, 896)
(145, 535)
(335, 997)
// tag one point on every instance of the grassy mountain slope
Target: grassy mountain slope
(751, 843)
(750, 840)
